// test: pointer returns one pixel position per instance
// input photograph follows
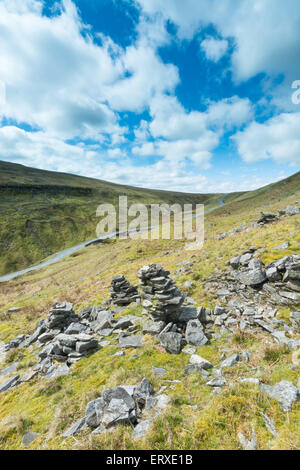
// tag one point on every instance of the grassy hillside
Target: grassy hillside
(42, 212)
(195, 417)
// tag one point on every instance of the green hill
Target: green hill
(42, 212)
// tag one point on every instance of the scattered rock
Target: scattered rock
(9, 370)
(270, 425)
(194, 333)
(283, 246)
(141, 429)
(267, 218)
(29, 437)
(201, 362)
(57, 371)
(284, 392)
(245, 443)
(230, 361)
(154, 327)
(159, 372)
(75, 428)
(217, 382)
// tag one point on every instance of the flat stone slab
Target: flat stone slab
(231, 361)
(63, 369)
(9, 370)
(141, 429)
(76, 427)
(159, 372)
(130, 341)
(29, 437)
(9, 383)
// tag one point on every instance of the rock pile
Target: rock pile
(290, 210)
(122, 404)
(175, 324)
(122, 292)
(61, 316)
(251, 291)
(267, 218)
(63, 337)
(278, 282)
(161, 298)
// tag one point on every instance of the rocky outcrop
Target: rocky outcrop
(267, 218)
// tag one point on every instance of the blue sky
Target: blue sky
(189, 96)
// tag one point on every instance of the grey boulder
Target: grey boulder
(29, 437)
(230, 361)
(130, 341)
(171, 341)
(194, 333)
(141, 429)
(284, 392)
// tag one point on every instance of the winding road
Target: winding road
(69, 251)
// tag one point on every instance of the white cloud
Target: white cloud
(63, 82)
(116, 153)
(148, 76)
(142, 132)
(266, 32)
(214, 49)
(67, 85)
(229, 113)
(181, 135)
(278, 138)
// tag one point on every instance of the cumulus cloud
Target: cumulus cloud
(69, 84)
(214, 49)
(181, 135)
(148, 76)
(278, 138)
(60, 80)
(266, 32)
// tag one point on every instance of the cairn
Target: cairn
(162, 300)
(122, 293)
(61, 316)
(267, 218)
